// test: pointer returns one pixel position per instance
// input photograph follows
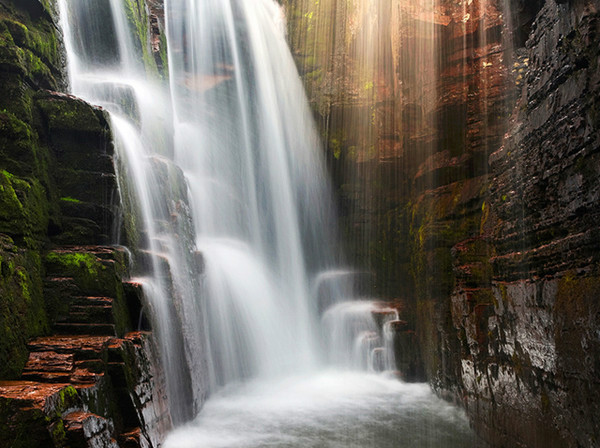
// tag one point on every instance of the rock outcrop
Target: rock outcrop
(72, 371)
(92, 380)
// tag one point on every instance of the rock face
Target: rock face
(72, 372)
(472, 192)
(539, 329)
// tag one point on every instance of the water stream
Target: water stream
(229, 209)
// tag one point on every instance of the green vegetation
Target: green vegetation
(70, 199)
(139, 22)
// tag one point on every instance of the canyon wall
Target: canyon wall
(72, 370)
(463, 140)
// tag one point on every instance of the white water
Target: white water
(355, 340)
(331, 409)
(223, 181)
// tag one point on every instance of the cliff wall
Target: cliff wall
(463, 139)
(72, 372)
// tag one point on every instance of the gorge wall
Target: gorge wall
(72, 370)
(463, 140)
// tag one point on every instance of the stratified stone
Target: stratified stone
(31, 413)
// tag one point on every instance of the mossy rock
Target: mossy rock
(38, 9)
(94, 274)
(23, 62)
(42, 43)
(16, 97)
(79, 231)
(78, 133)
(23, 428)
(18, 147)
(67, 113)
(23, 207)
(137, 16)
(22, 311)
(31, 414)
(85, 186)
(85, 222)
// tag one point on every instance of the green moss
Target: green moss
(59, 435)
(24, 282)
(140, 25)
(23, 207)
(64, 113)
(336, 142)
(70, 199)
(67, 397)
(16, 130)
(74, 262)
(164, 57)
(30, 52)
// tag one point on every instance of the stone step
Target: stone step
(58, 281)
(90, 314)
(117, 373)
(49, 361)
(85, 329)
(48, 398)
(85, 376)
(92, 301)
(49, 367)
(93, 365)
(84, 347)
(78, 377)
(27, 409)
(47, 377)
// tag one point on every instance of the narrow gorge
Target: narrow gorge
(302, 223)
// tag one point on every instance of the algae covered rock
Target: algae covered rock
(22, 310)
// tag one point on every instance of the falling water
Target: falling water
(228, 207)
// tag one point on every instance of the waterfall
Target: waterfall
(229, 214)
(262, 218)
(222, 178)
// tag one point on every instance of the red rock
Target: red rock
(49, 362)
(88, 346)
(131, 438)
(31, 394)
(85, 376)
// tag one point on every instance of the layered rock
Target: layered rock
(72, 371)
(472, 194)
(539, 351)
(115, 390)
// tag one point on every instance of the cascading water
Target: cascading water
(106, 68)
(228, 205)
(358, 335)
(250, 156)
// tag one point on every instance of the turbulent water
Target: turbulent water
(330, 409)
(228, 207)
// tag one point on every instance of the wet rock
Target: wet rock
(501, 256)
(384, 315)
(532, 273)
(58, 184)
(31, 412)
(87, 430)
